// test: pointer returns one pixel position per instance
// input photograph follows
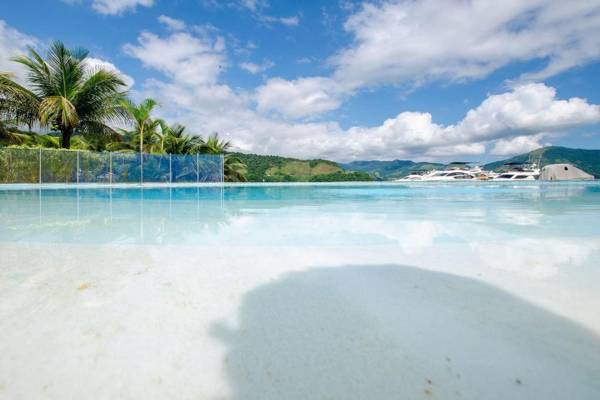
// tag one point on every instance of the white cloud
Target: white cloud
(522, 112)
(172, 23)
(528, 109)
(194, 96)
(414, 42)
(253, 5)
(96, 63)
(251, 67)
(116, 7)
(411, 43)
(518, 145)
(190, 59)
(299, 98)
(290, 21)
(256, 68)
(257, 8)
(13, 43)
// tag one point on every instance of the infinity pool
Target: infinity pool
(367, 291)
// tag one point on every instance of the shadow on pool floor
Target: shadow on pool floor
(396, 332)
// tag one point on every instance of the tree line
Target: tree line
(82, 107)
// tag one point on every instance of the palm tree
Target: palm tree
(233, 168)
(178, 142)
(64, 94)
(17, 104)
(141, 114)
(214, 145)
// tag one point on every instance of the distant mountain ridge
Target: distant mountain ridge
(386, 170)
(586, 160)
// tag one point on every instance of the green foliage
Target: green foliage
(342, 177)
(284, 169)
(234, 169)
(18, 105)
(178, 142)
(214, 145)
(162, 141)
(16, 165)
(145, 136)
(258, 165)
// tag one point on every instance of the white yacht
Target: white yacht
(456, 171)
(516, 171)
(416, 175)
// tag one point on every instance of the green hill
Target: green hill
(386, 170)
(284, 169)
(586, 160)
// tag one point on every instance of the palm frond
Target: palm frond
(214, 145)
(58, 109)
(17, 102)
(234, 169)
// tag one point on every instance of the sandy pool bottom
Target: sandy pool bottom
(179, 322)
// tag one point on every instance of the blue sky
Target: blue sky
(342, 79)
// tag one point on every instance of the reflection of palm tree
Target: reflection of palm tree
(64, 94)
(234, 169)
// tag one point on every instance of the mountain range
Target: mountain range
(587, 160)
(284, 169)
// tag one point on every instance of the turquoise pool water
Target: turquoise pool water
(300, 214)
(301, 291)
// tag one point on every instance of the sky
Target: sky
(340, 79)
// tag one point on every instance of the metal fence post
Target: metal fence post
(170, 170)
(40, 166)
(77, 167)
(197, 167)
(110, 170)
(222, 168)
(141, 168)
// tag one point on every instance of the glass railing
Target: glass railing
(80, 166)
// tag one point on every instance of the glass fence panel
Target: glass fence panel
(19, 165)
(59, 166)
(72, 166)
(184, 168)
(126, 168)
(94, 167)
(156, 168)
(210, 168)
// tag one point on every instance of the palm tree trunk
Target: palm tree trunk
(66, 138)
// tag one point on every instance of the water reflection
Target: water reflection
(413, 218)
(110, 215)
